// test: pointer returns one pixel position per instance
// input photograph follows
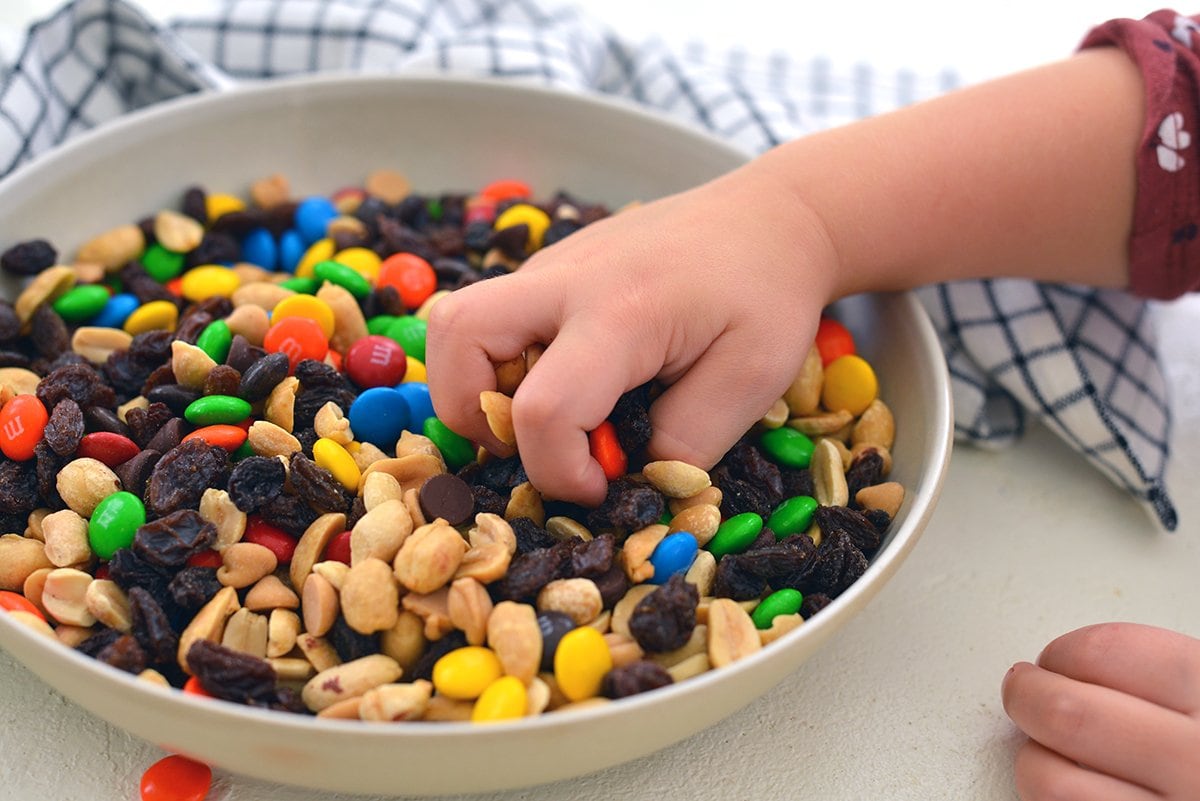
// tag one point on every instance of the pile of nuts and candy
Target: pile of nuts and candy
(221, 472)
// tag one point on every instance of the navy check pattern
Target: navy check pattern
(1082, 361)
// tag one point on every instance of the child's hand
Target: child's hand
(1112, 712)
(715, 291)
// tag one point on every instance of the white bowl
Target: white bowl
(445, 134)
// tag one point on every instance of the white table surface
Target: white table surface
(903, 703)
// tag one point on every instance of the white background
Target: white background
(977, 39)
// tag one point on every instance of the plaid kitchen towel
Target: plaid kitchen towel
(1082, 361)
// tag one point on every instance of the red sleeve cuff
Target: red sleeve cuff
(1164, 247)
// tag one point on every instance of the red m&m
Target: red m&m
(375, 361)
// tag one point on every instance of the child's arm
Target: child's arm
(1119, 698)
(716, 291)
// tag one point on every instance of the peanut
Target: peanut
(114, 248)
(497, 408)
(434, 609)
(319, 605)
(280, 406)
(249, 321)
(486, 563)
(313, 543)
(66, 537)
(84, 482)
(96, 343)
(429, 557)
(509, 376)
(490, 528)
(177, 232)
(396, 702)
(190, 364)
(380, 488)
(469, 606)
(828, 475)
(803, 397)
(19, 557)
(635, 554)
(513, 633)
(318, 651)
(701, 520)
(676, 479)
(348, 680)
(268, 593)
(886, 497)
(624, 607)
(268, 439)
(331, 423)
(731, 633)
(710, 496)
(209, 622)
(875, 426)
(405, 641)
(108, 604)
(566, 528)
(283, 627)
(410, 471)
(244, 563)
(246, 631)
(64, 596)
(349, 325)
(703, 572)
(525, 501)
(382, 531)
(45, 287)
(577, 598)
(219, 509)
(370, 597)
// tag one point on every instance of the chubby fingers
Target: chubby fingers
(570, 391)
(1043, 775)
(475, 328)
(1117, 734)
(1155, 664)
(718, 399)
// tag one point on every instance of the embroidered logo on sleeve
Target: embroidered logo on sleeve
(1172, 139)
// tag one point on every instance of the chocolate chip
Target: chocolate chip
(447, 496)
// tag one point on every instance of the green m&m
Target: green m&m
(114, 522)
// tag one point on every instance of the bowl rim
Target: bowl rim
(918, 507)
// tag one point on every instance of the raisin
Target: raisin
(734, 579)
(10, 324)
(170, 540)
(853, 524)
(49, 333)
(511, 241)
(194, 204)
(124, 374)
(631, 418)
(144, 422)
(839, 564)
(12, 358)
(182, 475)
(358, 508)
(124, 653)
(530, 536)
(151, 627)
(309, 402)
(151, 349)
(229, 674)
(738, 497)
(880, 519)
(128, 570)
(256, 481)
(488, 501)
(65, 428)
(215, 248)
(222, 380)
(194, 586)
(592, 558)
(529, 572)
(613, 584)
(813, 603)
(78, 382)
(664, 619)
(865, 471)
(284, 699)
(500, 475)
(636, 677)
(47, 466)
(29, 257)
(628, 506)
(317, 485)
(19, 486)
(313, 374)
(191, 323)
(797, 482)
(746, 462)
(96, 643)
(138, 282)
(288, 514)
(350, 644)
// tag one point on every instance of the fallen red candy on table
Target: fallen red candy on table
(176, 778)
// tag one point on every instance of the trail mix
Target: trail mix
(221, 472)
